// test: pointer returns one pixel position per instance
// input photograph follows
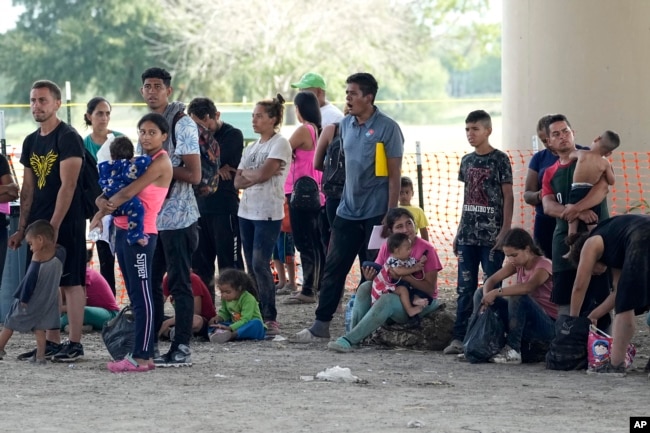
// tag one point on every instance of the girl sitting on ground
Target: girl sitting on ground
(401, 263)
(530, 312)
(239, 317)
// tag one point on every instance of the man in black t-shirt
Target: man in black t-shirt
(53, 157)
(218, 224)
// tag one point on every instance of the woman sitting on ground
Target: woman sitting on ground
(368, 317)
(526, 304)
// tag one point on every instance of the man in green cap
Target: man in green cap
(314, 83)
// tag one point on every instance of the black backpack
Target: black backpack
(89, 182)
(334, 167)
(305, 195)
(568, 350)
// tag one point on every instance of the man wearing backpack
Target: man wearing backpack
(53, 159)
(218, 224)
(372, 185)
(177, 220)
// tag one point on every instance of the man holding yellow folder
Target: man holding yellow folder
(373, 145)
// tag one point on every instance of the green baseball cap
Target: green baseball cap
(310, 79)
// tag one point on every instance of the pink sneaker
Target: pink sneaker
(127, 365)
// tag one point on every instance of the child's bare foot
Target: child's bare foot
(414, 310)
(420, 301)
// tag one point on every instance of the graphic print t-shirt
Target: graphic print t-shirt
(43, 155)
(482, 213)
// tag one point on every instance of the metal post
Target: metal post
(68, 98)
(418, 160)
(3, 140)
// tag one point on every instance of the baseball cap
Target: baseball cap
(310, 79)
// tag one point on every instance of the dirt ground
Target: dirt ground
(258, 387)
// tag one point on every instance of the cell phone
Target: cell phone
(369, 264)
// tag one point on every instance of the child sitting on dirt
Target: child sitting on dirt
(119, 172)
(36, 307)
(400, 263)
(239, 317)
(592, 164)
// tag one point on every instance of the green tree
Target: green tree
(95, 44)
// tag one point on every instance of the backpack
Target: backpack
(210, 162)
(89, 182)
(568, 350)
(210, 159)
(305, 195)
(334, 167)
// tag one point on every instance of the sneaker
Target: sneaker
(507, 355)
(305, 336)
(37, 361)
(340, 345)
(2, 354)
(454, 348)
(272, 327)
(221, 336)
(69, 352)
(127, 365)
(181, 357)
(608, 369)
(51, 349)
(288, 289)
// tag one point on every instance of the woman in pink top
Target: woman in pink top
(530, 313)
(135, 260)
(368, 317)
(304, 224)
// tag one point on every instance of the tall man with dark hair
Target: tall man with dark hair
(556, 187)
(177, 220)
(53, 157)
(218, 224)
(372, 185)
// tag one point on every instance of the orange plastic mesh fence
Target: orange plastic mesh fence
(443, 198)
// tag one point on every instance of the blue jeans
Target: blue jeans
(348, 238)
(251, 330)
(258, 239)
(469, 258)
(367, 318)
(174, 256)
(136, 265)
(526, 320)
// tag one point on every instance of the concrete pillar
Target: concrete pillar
(587, 59)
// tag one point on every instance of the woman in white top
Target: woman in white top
(261, 174)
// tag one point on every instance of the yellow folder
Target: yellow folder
(381, 164)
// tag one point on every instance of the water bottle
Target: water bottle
(348, 314)
(94, 234)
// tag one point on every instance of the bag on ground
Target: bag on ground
(485, 336)
(568, 350)
(599, 349)
(119, 334)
